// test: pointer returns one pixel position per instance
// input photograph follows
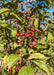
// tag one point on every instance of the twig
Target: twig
(33, 7)
(27, 5)
(18, 6)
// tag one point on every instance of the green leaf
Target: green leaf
(0, 55)
(13, 58)
(0, 51)
(43, 41)
(13, 32)
(15, 45)
(6, 3)
(16, 16)
(51, 2)
(50, 36)
(36, 23)
(41, 47)
(5, 59)
(42, 66)
(3, 10)
(37, 56)
(26, 70)
(13, 70)
(3, 23)
(1, 44)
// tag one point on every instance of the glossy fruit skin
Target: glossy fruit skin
(17, 34)
(10, 69)
(22, 61)
(28, 32)
(31, 35)
(26, 12)
(29, 28)
(38, 31)
(27, 35)
(28, 18)
(17, 52)
(35, 40)
(21, 42)
(16, 68)
(22, 34)
(7, 67)
(33, 30)
(31, 45)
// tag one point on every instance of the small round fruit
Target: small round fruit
(31, 35)
(32, 30)
(10, 69)
(17, 34)
(22, 61)
(29, 28)
(26, 12)
(28, 17)
(27, 35)
(28, 32)
(17, 52)
(31, 46)
(16, 68)
(21, 42)
(38, 31)
(35, 40)
(7, 67)
(22, 34)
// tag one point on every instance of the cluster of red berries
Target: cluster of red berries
(9, 69)
(32, 45)
(16, 69)
(30, 33)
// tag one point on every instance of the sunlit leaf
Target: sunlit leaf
(5, 59)
(37, 56)
(50, 36)
(12, 59)
(26, 70)
(3, 10)
(42, 66)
